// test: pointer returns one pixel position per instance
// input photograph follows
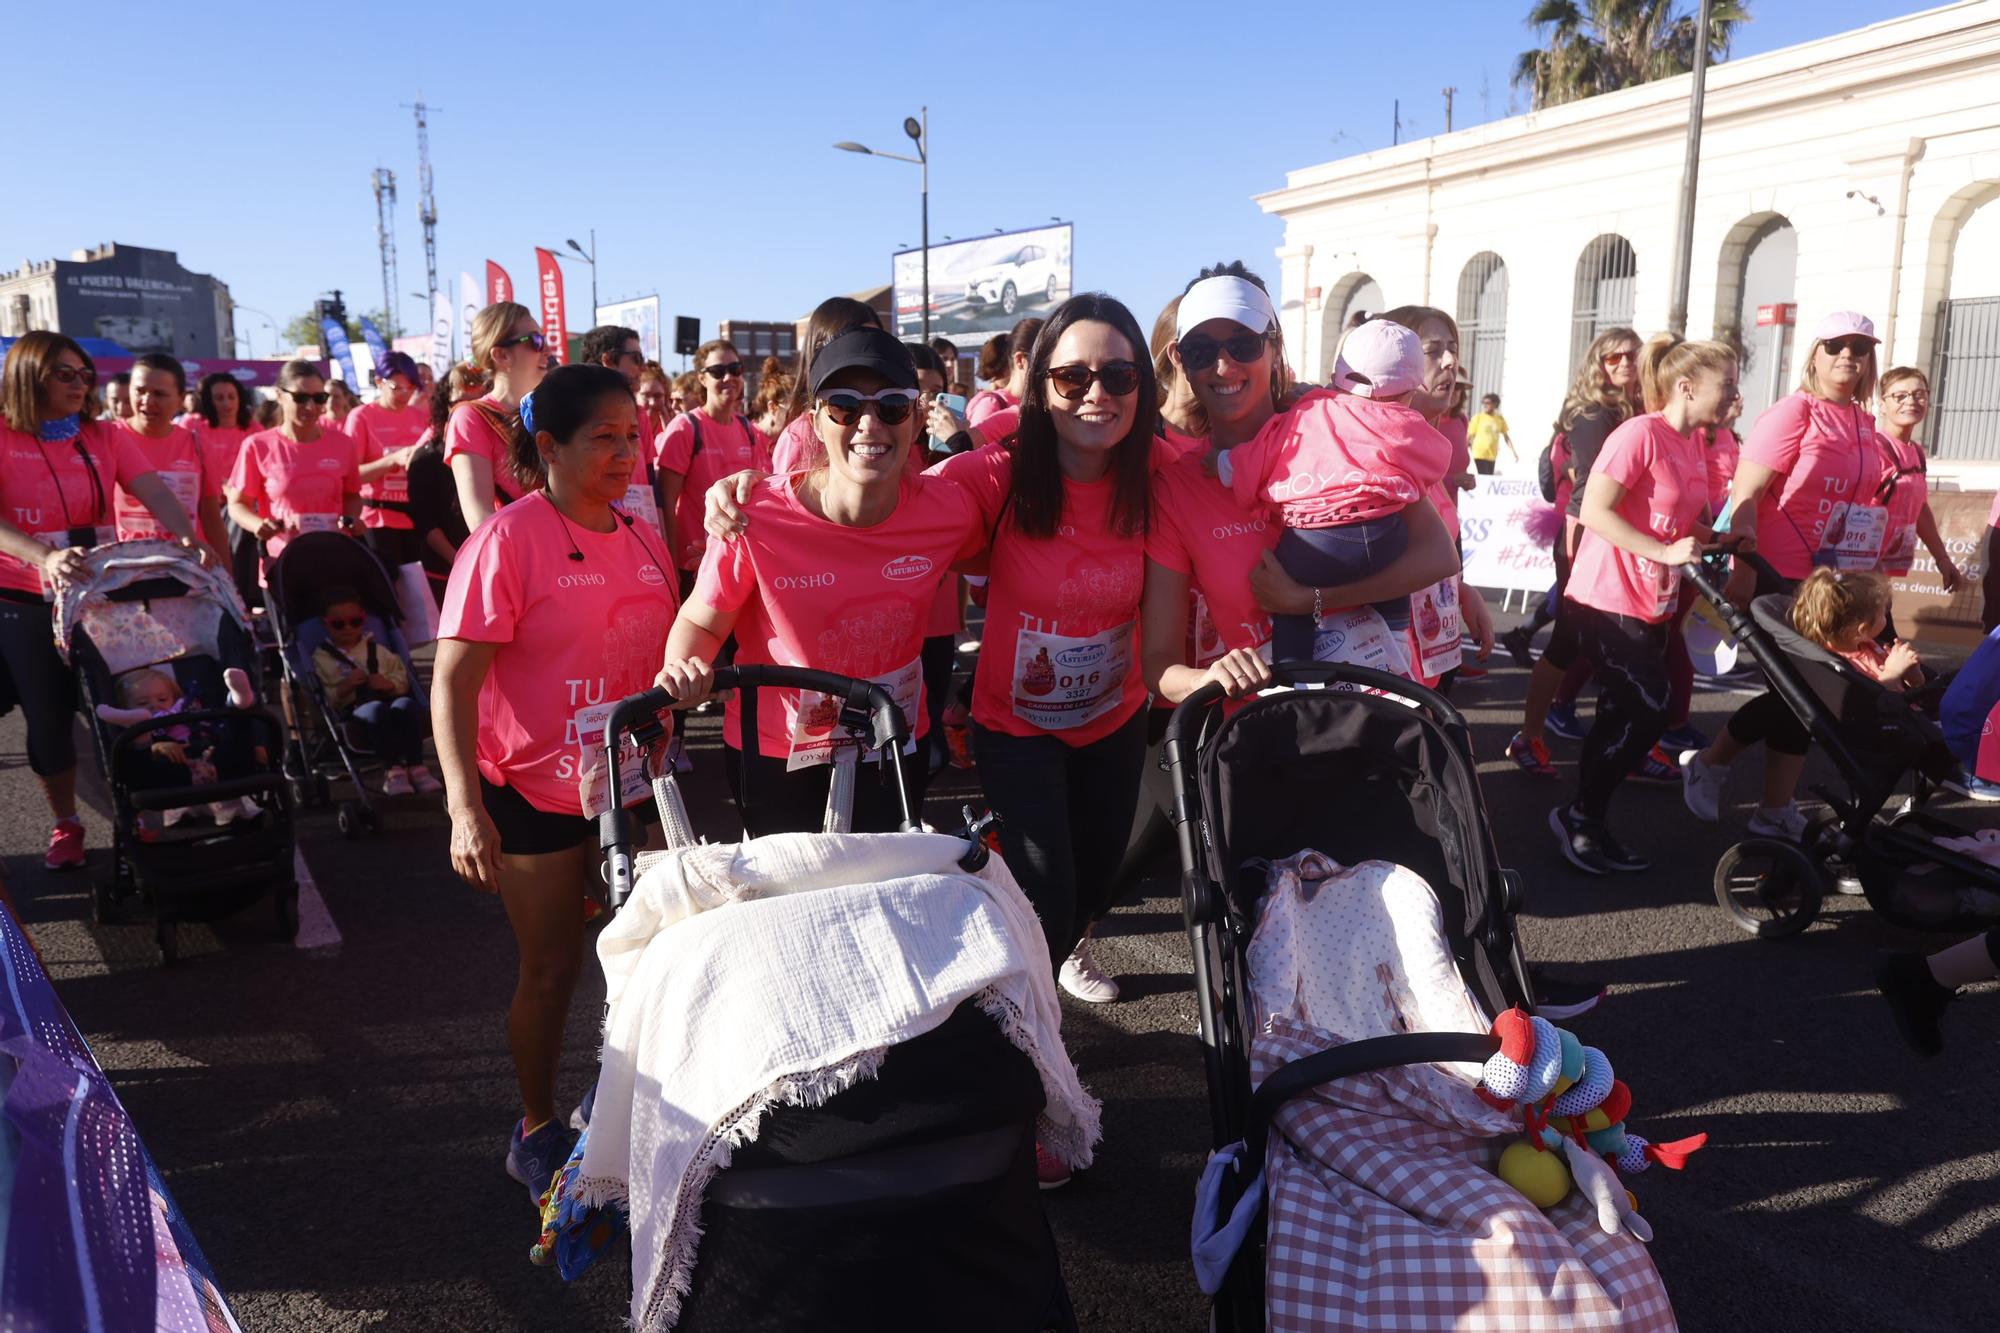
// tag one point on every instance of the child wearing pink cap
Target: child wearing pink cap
(1340, 468)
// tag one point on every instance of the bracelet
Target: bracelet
(1319, 611)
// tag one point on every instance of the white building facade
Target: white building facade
(1857, 172)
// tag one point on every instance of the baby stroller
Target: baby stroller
(324, 747)
(1360, 766)
(153, 604)
(823, 1199)
(1876, 739)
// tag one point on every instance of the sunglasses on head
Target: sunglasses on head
(320, 399)
(534, 340)
(1073, 382)
(1198, 353)
(1858, 347)
(892, 406)
(344, 622)
(723, 371)
(71, 374)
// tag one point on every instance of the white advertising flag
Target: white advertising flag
(471, 295)
(441, 334)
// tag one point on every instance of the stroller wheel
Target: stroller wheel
(285, 905)
(1769, 888)
(167, 936)
(352, 817)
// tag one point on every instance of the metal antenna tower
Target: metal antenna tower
(385, 238)
(427, 210)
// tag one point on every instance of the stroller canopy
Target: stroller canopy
(312, 564)
(146, 602)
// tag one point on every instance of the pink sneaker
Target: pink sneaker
(1050, 1174)
(421, 779)
(65, 845)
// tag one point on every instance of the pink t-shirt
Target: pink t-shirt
(48, 489)
(797, 448)
(469, 431)
(302, 485)
(1905, 503)
(1198, 529)
(1719, 458)
(575, 636)
(1665, 477)
(726, 447)
(1173, 445)
(1061, 648)
(853, 601)
(1828, 464)
(380, 430)
(1336, 458)
(983, 405)
(219, 447)
(177, 458)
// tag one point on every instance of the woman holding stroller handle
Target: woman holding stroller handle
(174, 454)
(387, 431)
(1645, 514)
(1809, 492)
(301, 475)
(508, 348)
(557, 608)
(836, 570)
(57, 473)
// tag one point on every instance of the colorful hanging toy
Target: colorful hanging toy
(1564, 1090)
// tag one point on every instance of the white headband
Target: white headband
(1231, 298)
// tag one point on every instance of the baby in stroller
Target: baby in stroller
(179, 756)
(368, 683)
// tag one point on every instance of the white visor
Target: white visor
(1229, 298)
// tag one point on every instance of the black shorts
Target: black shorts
(526, 831)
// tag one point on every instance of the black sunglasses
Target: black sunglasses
(322, 399)
(892, 406)
(1243, 348)
(1860, 347)
(1118, 378)
(723, 371)
(355, 623)
(534, 340)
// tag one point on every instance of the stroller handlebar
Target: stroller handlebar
(1296, 674)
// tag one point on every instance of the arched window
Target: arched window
(1482, 321)
(1756, 270)
(1965, 376)
(1354, 294)
(1607, 291)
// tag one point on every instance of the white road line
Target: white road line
(316, 928)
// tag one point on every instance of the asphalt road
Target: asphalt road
(332, 1117)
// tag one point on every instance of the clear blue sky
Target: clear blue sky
(695, 138)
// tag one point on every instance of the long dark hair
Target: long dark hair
(1037, 494)
(246, 416)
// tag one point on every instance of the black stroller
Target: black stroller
(1362, 766)
(153, 604)
(325, 748)
(906, 1201)
(1876, 740)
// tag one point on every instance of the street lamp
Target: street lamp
(276, 337)
(589, 257)
(920, 134)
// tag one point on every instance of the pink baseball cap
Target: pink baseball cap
(1844, 324)
(1379, 360)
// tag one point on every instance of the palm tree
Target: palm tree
(1595, 46)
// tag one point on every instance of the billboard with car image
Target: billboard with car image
(981, 286)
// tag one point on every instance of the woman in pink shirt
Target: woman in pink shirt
(57, 472)
(227, 419)
(387, 431)
(1906, 401)
(835, 569)
(706, 443)
(1645, 514)
(301, 475)
(994, 413)
(509, 350)
(174, 454)
(797, 447)
(558, 607)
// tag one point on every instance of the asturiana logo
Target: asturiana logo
(650, 573)
(906, 567)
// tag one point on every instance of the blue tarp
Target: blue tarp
(93, 347)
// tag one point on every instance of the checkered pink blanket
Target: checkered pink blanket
(1385, 1215)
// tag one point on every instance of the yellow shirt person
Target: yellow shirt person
(1485, 434)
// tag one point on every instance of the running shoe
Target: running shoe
(1050, 1174)
(1701, 785)
(1916, 1000)
(1081, 976)
(1520, 646)
(1531, 756)
(1657, 769)
(1563, 721)
(1556, 999)
(1979, 789)
(397, 783)
(534, 1159)
(65, 845)
(1470, 671)
(1578, 839)
(1787, 822)
(1617, 855)
(424, 781)
(1683, 737)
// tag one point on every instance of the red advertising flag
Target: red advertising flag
(499, 287)
(550, 295)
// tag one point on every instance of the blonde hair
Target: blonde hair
(1897, 374)
(1668, 358)
(1592, 388)
(1161, 346)
(1832, 602)
(489, 326)
(1864, 388)
(129, 684)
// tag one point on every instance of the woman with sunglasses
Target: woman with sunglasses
(300, 476)
(1810, 491)
(1906, 401)
(797, 446)
(558, 607)
(705, 443)
(173, 453)
(836, 569)
(58, 469)
(387, 431)
(508, 350)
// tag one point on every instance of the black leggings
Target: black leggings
(795, 801)
(1630, 656)
(43, 685)
(1767, 717)
(939, 654)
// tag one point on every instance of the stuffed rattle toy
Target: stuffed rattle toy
(1573, 1112)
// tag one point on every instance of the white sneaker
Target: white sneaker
(422, 779)
(397, 783)
(224, 812)
(1081, 978)
(1701, 785)
(1787, 822)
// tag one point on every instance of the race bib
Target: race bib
(817, 735)
(393, 486)
(1900, 551)
(1360, 637)
(592, 781)
(1435, 622)
(136, 522)
(641, 505)
(1061, 682)
(1853, 536)
(316, 522)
